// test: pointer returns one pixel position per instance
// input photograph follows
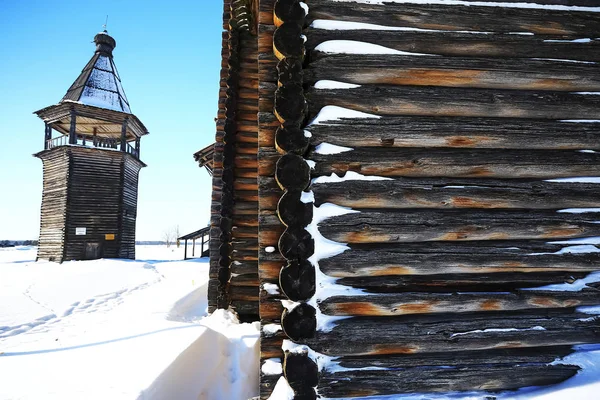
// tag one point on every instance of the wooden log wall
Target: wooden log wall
(473, 113)
(93, 189)
(54, 204)
(234, 224)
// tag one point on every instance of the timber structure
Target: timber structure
(91, 161)
(407, 195)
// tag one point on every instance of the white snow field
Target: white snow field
(117, 329)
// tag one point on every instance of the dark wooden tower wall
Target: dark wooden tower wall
(92, 189)
(443, 278)
(54, 205)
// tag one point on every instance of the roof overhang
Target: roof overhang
(54, 114)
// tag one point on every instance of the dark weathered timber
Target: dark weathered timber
(457, 102)
(453, 225)
(290, 105)
(297, 280)
(419, 380)
(497, 133)
(420, 303)
(464, 44)
(462, 17)
(423, 334)
(459, 193)
(291, 210)
(469, 282)
(503, 73)
(459, 358)
(288, 41)
(291, 140)
(469, 257)
(301, 373)
(292, 172)
(296, 243)
(300, 323)
(288, 11)
(289, 72)
(88, 188)
(455, 163)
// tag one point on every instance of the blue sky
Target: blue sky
(168, 56)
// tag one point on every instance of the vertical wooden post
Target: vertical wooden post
(202, 246)
(72, 134)
(185, 251)
(137, 147)
(124, 135)
(47, 135)
(194, 247)
(95, 138)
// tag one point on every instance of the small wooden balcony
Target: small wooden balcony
(94, 141)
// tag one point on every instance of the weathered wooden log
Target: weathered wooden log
(297, 280)
(454, 163)
(501, 282)
(453, 225)
(498, 133)
(292, 211)
(302, 375)
(289, 72)
(292, 172)
(291, 140)
(445, 101)
(420, 335)
(300, 323)
(459, 358)
(288, 11)
(463, 17)
(288, 41)
(498, 73)
(469, 257)
(290, 105)
(296, 243)
(452, 44)
(420, 303)
(459, 193)
(417, 380)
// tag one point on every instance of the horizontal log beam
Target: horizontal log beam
(457, 225)
(499, 73)
(459, 193)
(423, 303)
(469, 257)
(469, 282)
(454, 163)
(459, 335)
(423, 131)
(457, 102)
(462, 17)
(458, 358)
(416, 380)
(453, 44)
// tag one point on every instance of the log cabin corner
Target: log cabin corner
(406, 195)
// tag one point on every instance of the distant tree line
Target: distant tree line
(13, 243)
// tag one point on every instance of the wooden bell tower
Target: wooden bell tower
(91, 162)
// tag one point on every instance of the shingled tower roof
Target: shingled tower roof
(99, 83)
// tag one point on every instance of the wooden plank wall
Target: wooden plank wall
(471, 136)
(270, 229)
(54, 204)
(93, 189)
(242, 285)
(215, 230)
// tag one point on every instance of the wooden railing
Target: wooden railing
(92, 141)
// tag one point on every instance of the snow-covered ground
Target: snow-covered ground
(116, 329)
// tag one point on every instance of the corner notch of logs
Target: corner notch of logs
(297, 278)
